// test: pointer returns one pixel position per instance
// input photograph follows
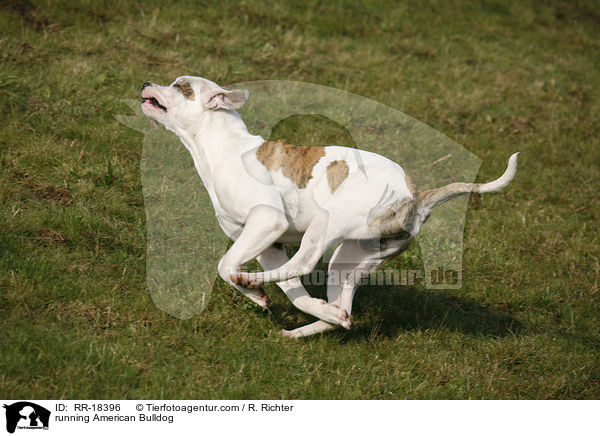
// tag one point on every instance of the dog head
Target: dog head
(181, 103)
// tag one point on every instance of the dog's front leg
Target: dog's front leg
(264, 225)
(314, 242)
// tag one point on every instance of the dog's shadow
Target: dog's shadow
(388, 311)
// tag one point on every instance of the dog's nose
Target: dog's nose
(145, 85)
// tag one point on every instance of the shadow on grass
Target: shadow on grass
(389, 311)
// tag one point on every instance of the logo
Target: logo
(26, 415)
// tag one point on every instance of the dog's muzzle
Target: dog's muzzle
(152, 100)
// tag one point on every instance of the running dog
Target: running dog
(266, 194)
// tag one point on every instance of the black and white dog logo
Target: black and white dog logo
(26, 415)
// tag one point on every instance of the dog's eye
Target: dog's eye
(176, 85)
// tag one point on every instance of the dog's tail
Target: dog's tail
(434, 197)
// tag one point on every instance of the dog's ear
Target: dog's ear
(225, 99)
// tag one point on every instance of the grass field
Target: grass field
(76, 317)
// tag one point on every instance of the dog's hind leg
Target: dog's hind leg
(332, 316)
(338, 284)
(351, 261)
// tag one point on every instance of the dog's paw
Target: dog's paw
(333, 314)
(289, 334)
(264, 298)
(243, 280)
(259, 296)
(346, 320)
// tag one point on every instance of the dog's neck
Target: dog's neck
(215, 136)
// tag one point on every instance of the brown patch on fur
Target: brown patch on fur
(411, 186)
(399, 219)
(186, 89)
(337, 172)
(433, 197)
(295, 161)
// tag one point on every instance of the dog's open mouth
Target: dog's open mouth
(154, 102)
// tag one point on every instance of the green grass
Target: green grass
(76, 317)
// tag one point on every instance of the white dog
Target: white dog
(266, 194)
